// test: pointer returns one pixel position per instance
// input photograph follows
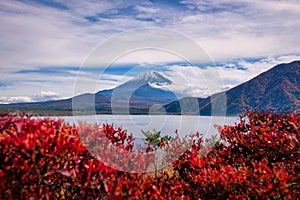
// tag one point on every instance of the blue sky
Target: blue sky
(43, 43)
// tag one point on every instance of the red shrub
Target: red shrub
(257, 158)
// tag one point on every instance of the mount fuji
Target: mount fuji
(276, 90)
(141, 92)
(136, 96)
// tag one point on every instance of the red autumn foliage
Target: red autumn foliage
(257, 159)
(44, 158)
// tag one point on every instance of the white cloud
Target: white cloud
(146, 9)
(192, 81)
(244, 28)
(70, 39)
(148, 56)
(33, 35)
(202, 82)
(187, 80)
(46, 95)
(234, 75)
(14, 99)
(39, 39)
(277, 5)
(109, 81)
(32, 84)
(89, 7)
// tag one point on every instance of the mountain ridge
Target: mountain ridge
(276, 90)
(136, 96)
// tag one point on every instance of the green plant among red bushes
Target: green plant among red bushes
(44, 158)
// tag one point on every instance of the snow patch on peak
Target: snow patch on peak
(147, 76)
(152, 77)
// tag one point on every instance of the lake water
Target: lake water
(166, 124)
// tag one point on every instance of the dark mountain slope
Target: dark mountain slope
(276, 90)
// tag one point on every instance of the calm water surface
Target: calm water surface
(167, 124)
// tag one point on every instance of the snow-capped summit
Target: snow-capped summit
(152, 77)
(143, 90)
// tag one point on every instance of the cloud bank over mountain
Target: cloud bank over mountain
(43, 43)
